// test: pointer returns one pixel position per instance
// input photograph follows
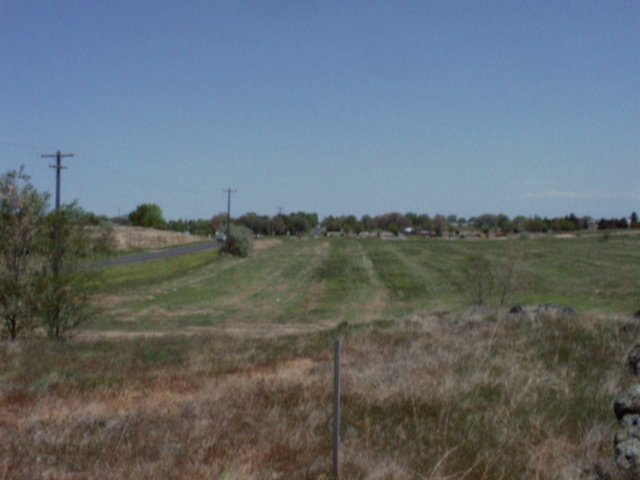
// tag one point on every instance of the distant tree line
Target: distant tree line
(301, 223)
(439, 225)
(194, 227)
(616, 223)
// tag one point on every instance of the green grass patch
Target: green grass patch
(113, 279)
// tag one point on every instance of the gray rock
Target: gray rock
(518, 313)
(628, 403)
(555, 310)
(630, 327)
(633, 360)
(627, 455)
(516, 309)
(631, 424)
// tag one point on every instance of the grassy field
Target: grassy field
(214, 367)
(321, 282)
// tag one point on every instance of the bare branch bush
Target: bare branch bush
(510, 275)
(477, 280)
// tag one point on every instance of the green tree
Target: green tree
(21, 212)
(352, 224)
(299, 223)
(503, 223)
(63, 300)
(147, 215)
(258, 224)
(278, 225)
(440, 225)
(535, 225)
(219, 222)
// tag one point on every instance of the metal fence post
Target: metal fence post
(336, 411)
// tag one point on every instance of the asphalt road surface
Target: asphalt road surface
(161, 254)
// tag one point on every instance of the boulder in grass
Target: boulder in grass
(627, 456)
(631, 424)
(633, 360)
(522, 312)
(551, 310)
(516, 310)
(628, 403)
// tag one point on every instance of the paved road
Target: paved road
(161, 254)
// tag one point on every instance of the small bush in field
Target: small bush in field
(477, 282)
(238, 241)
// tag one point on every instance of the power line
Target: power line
(126, 175)
(23, 146)
(136, 179)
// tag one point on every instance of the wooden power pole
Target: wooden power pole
(229, 192)
(58, 166)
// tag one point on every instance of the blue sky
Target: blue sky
(342, 107)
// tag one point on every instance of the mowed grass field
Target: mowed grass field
(319, 282)
(214, 367)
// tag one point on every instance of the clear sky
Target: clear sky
(337, 107)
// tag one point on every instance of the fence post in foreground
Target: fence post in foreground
(336, 411)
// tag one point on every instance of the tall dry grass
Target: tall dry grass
(425, 397)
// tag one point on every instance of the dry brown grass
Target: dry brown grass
(266, 243)
(425, 397)
(134, 238)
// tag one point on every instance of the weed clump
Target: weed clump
(238, 241)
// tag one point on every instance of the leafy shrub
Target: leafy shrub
(238, 241)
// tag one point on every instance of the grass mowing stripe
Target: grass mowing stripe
(347, 282)
(403, 283)
(123, 277)
(337, 279)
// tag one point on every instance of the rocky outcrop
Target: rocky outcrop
(627, 410)
(633, 360)
(627, 404)
(533, 313)
(627, 455)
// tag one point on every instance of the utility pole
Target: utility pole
(58, 166)
(229, 192)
